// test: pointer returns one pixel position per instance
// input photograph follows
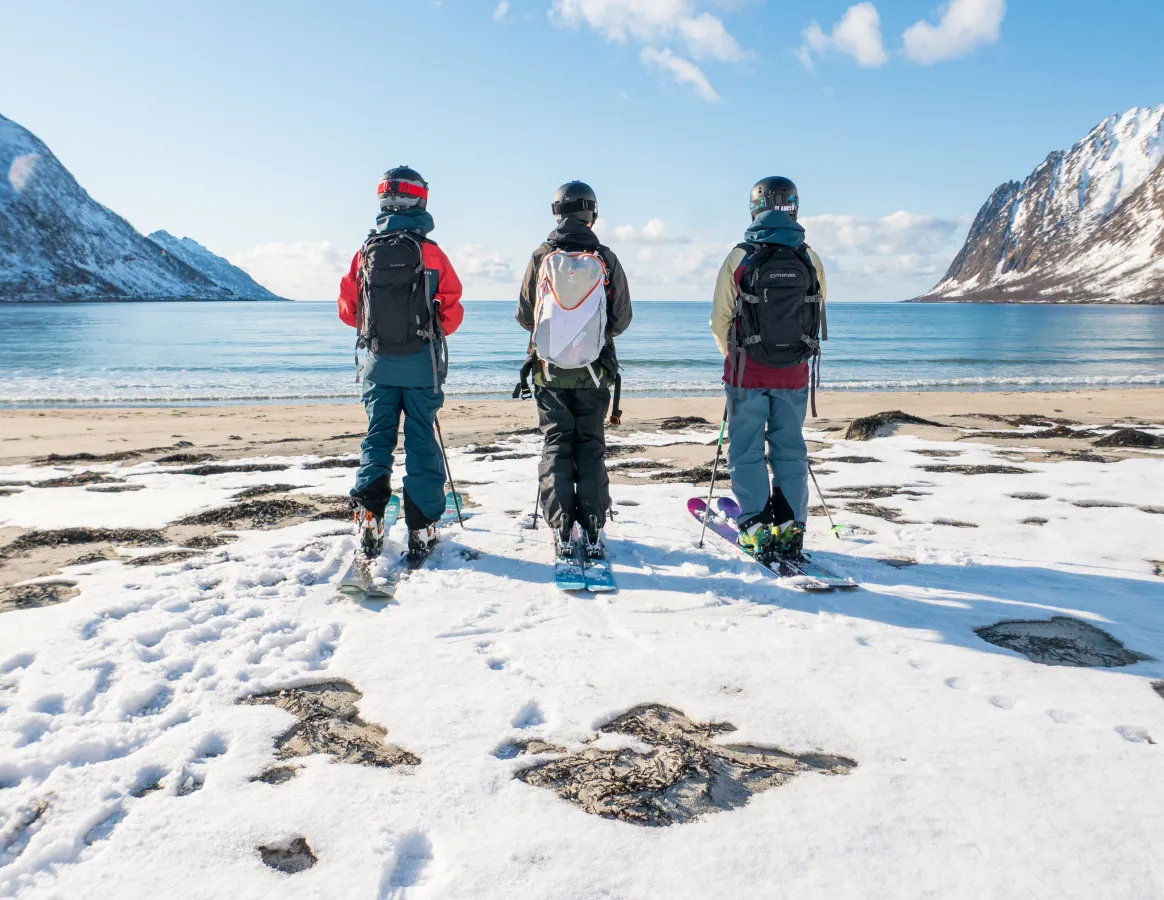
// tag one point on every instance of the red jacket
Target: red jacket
(448, 290)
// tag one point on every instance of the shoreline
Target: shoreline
(331, 427)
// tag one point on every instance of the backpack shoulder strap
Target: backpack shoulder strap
(803, 255)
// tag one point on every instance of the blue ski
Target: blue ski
(569, 574)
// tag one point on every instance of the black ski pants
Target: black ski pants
(573, 484)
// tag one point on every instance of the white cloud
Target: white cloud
(857, 34)
(897, 232)
(892, 257)
(501, 11)
(299, 271)
(964, 25)
(474, 262)
(655, 23)
(683, 71)
(654, 232)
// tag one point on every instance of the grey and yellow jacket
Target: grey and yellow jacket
(772, 227)
(570, 236)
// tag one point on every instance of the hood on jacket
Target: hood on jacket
(775, 227)
(417, 220)
(572, 233)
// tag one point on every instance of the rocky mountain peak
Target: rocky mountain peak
(1082, 227)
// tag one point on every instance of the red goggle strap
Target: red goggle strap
(402, 187)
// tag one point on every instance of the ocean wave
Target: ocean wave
(91, 392)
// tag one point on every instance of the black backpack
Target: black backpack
(779, 317)
(396, 316)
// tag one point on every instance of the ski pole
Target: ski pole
(444, 454)
(714, 473)
(823, 504)
(537, 503)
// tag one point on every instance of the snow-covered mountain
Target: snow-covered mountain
(57, 243)
(214, 267)
(1086, 226)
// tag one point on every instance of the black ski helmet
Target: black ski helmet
(575, 199)
(402, 188)
(775, 193)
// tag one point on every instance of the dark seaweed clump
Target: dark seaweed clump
(882, 423)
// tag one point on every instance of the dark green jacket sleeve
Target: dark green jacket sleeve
(618, 292)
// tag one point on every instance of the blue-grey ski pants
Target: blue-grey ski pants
(424, 470)
(772, 420)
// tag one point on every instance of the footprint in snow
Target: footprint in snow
(1135, 734)
(1002, 702)
(528, 716)
(19, 661)
(411, 857)
(1062, 716)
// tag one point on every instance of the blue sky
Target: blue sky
(260, 129)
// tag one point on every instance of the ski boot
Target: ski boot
(420, 542)
(369, 530)
(592, 544)
(564, 541)
(789, 541)
(768, 542)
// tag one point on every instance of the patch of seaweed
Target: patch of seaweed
(625, 449)
(294, 858)
(262, 490)
(176, 458)
(132, 537)
(254, 513)
(79, 480)
(883, 423)
(161, 559)
(872, 509)
(678, 423)
(335, 462)
(34, 596)
(227, 470)
(119, 456)
(1131, 437)
(979, 470)
(693, 475)
(329, 722)
(682, 773)
(1060, 641)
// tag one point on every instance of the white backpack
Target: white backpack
(570, 315)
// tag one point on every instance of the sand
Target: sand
(230, 432)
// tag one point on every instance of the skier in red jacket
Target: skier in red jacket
(403, 296)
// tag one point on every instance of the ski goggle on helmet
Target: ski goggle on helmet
(402, 188)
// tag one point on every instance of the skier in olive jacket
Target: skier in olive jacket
(572, 402)
(767, 404)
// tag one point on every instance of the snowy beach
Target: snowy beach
(188, 708)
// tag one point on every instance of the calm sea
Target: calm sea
(173, 353)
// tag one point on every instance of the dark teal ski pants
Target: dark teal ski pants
(424, 470)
